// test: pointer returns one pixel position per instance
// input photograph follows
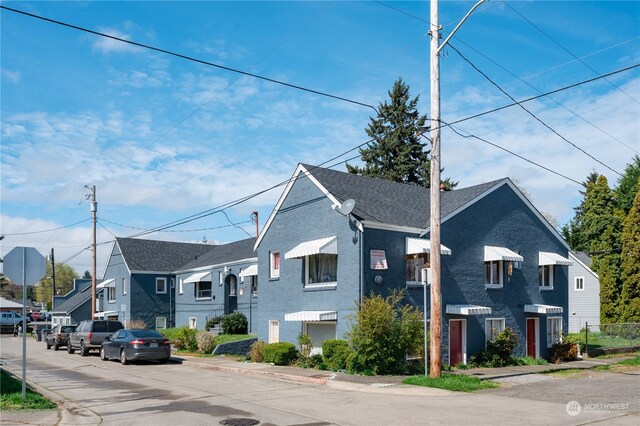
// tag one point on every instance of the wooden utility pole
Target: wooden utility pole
(53, 280)
(94, 212)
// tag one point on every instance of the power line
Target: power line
(175, 230)
(190, 58)
(529, 112)
(47, 230)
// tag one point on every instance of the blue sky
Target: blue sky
(163, 138)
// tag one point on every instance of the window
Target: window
(233, 286)
(545, 273)
(192, 322)
(413, 269)
(493, 327)
(161, 285)
(579, 283)
(321, 269)
(493, 274)
(203, 290)
(254, 284)
(161, 323)
(124, 286)
(180, 286)
(274, 264)
(554, 331)
(240, 275)
(111, 294)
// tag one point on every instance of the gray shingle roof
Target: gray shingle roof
(159, 256)
(72, 303)
(582, 257)
(224, 253)
(393, 203)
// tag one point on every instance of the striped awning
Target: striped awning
(198, 277)
(107, 283)
(311, 316)
(327, 245)
(543, 309)
(420, 245)
(546, 258)
(249, 272)
(500, 253)
(468, 310)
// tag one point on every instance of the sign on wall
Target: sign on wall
(378, 259)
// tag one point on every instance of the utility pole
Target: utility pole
(94, 212)
(435, 369)
(53, 280)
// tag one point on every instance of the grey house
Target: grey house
(139, 280)
(219, 282)
(320, 252)
(584, 293)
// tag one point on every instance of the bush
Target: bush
(256, 353)
(211, 322)
(282, 353)
(186, 339)
(234, 323)
(499, 352)
(383, 333)
(565, 350)
(336, 352)
(205, 342)
(331, 346)
(137, 324)
(304, 356)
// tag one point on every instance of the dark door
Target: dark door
(455, 342)
(231, 294)
(531, 337)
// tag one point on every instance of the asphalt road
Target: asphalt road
(97, 392)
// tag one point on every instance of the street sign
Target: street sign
(24, 265)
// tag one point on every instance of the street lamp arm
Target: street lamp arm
(444, 43)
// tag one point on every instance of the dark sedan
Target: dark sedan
(136, 345)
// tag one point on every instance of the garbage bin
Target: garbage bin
(38, 335)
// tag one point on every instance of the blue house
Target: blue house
(335, 237)
(139, 280)
(219, 282)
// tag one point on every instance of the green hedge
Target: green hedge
(282, 353)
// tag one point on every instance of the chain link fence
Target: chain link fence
(611, 338)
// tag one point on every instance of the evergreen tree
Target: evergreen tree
(86, 275)
(573, 232)
(630, 298)
(627, 185)
(396, 152)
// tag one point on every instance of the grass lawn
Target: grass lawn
(11, 396)
(631, 361)
(452, 382)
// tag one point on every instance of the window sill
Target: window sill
(274, 278)
(111, 301)
(319, 287)
(493, 286)
(545, 288)
(203, 299)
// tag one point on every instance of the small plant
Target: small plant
(137, 324)
(304, 356)
(499, 352)
(565, 350)
(528, 360)
(186, 339)
(212, 322)
(234, 323)
(282, 353)
(336, 353)
(205, 341)
(256, 353)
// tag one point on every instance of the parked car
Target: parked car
(136, 345)
(59, 336)
(10, 318)
(90, 334)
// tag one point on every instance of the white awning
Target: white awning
(545, 258)
(543, 309)
(322, 246)
(468, 310)
(249, 272)
(198, 277)
(107, 283)
(312, 316)
(420, 245)
(500, 253)
(106, 314)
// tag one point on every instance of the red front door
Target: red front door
(455, 342)
(531, 337)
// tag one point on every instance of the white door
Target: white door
(274, 331)
(319, 332)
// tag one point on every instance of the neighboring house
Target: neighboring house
(584, 293)
(78, 285)
(219, 282)
(139, 279)
(7, 305)
(318, 254)
(76, 306)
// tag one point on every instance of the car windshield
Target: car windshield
(68, 328)
(146, 333)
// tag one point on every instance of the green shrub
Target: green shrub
(234, 323)
(186, 339)
(338, 359)
(329, 347)
(205, 342)
(304, 356)
(499, 352)
(211, 322)
(282, 353)
(256, 353)
(565, 350)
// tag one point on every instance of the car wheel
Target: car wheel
(84, 351)
(123, 357)
(103, 355)
(56, 347)
(163, 360)
(70, 349)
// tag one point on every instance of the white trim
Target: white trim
(543, 309)
(273, 272)
(111, 282)
(327, 245)
(274, 325)
(583, 265)
(388, 227)
(165, 285)
(549, 258)
(125, 283)
(464, 340)
(468, 310)
(500, 283)
(249, 271)
(492, 253)
(546, 285)
(197, 277)
(216, 266)
(421, 245)
(537, 335)
(194, 321)
(553, 319)
(180, 286)
(575, 283)
(312, 316)
(165, 323)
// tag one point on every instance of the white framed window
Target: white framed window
(161, 323)
(545, 277)
(111, 294)
(493, 274)
(579, 283)
(181, 286)
(321, 270)
(203, 290)
(554, 331)
(192, 322)
(161, 285)
(124, 286)
(413, 269)
(274, 264)
(493, 327)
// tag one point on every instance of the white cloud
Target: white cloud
(108, 45)
(13, 76)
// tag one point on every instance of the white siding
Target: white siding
(584, 305)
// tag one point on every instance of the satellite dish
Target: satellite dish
(347, 207)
